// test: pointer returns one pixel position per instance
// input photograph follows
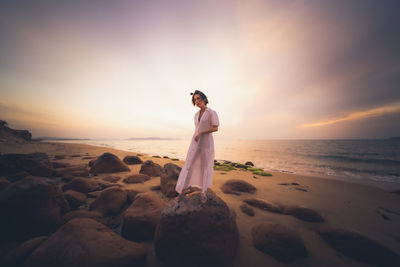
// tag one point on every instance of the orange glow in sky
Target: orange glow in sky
(126, 69)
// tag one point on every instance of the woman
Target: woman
(199, 165)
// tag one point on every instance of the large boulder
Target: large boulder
(236, 186)
(108, 163)
(36, 164)
(18, 255)
(359, 247)
(132, 193)
(30, 207)
(95, 215)
(87, 243)
(131, 160)
(141, 218)
(110, 201)
(83, 185)
(194, 234)
(151, 169)
(168, 179)
(136, 179)
(282, 243)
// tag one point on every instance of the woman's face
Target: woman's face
(198, 101)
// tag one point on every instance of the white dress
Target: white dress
(199, 165)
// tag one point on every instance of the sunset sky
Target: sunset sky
(271, 69)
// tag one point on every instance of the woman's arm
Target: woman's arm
(212, 129)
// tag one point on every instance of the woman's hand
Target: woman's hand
(197, 137)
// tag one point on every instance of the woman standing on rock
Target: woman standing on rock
(199, 165)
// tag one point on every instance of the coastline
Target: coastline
(345, 205)
(385, 185)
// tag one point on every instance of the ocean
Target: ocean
(373, 162)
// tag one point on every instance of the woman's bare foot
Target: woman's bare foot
(203, 198)
(179, 198)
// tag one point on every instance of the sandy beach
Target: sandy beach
(368, 211)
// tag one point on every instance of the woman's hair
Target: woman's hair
(202, 96)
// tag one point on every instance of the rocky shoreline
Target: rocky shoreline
(67, 204)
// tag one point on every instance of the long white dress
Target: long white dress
(199, 165)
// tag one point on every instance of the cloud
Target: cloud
(359, 115)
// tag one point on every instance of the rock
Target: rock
(194, 234)
(141, 218)
(249, 163)
(94, 194)
(10, 135)
(264, 205)
(18, 255)
(132, 194)
(4, 183)
(18, 176)
(75, 198)
(95, 215)
(58, 157)
(359, 247)
(155, 188)
(36, 164)
(88, 158)
(131, 160)
(67, 179)
(168, 179)
(105, 185)
(301, 189)
(30, 207)
(57, 165)
(136, 178)
(85, 242)
(83, 185)
(282, 243)
(110, 201)
(23, 134)
(108, 163)
(247, 209)
(239, 165)
(112, 179)
(73, 171)
(304, 214)
(91, 162)
(151, 169)
(40, 156)
(234, 186)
